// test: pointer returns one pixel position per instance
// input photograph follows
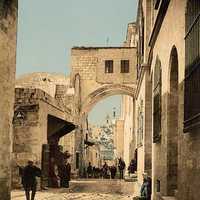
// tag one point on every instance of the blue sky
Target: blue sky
(47, 30)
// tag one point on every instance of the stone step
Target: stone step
(102, 186)
(168, 198)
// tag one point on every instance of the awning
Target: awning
(58, 127)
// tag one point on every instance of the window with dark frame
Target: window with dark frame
(109, 66)
(192, 68)
(157, 103)
(124, 66)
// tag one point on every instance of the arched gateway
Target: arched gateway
(99, 72)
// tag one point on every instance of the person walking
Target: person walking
(121, 167)
(29, 182)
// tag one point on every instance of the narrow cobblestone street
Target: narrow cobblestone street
(58, 195)
(85, 190)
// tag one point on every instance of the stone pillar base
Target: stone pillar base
(5, 189)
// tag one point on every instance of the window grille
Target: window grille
(124, 66)
(192, 68)
(157, 103)
(109, 66)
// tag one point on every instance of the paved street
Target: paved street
(84, 189)
(65, 195)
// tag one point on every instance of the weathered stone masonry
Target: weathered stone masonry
(8, 23)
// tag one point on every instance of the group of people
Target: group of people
(30, 172)
(106, 171)
(59, 175)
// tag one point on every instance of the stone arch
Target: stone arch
(103, 92)
(172, 124)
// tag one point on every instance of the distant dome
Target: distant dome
(42, 80)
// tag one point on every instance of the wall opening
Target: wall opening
(173, 125)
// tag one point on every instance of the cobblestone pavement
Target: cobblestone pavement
(62, 195)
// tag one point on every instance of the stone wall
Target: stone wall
(30, 127)
(188, 147)
(143, 122)
(119, 138)
(127, 108)
(8, 23)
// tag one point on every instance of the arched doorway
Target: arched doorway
(172, 137)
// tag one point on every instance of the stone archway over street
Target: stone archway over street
(99, 72)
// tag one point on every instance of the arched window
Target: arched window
(157, 103)
(192, 69)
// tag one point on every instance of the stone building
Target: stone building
(8, 25)
(96, 73)
(119, 138)
(128, 105)
(167, 93)
(127, 114)
(95, 149)
(42, 118)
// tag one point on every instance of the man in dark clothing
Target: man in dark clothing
(29, 182)
(121, 167)
(105, 170)
(66, 175)
(132, 167)
(89, 170)
(113, 171)
(146, 187)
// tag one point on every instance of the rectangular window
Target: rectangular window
(109, 66)
(124, 66)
